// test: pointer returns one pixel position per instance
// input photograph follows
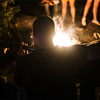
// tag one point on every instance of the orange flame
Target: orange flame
(64, 39)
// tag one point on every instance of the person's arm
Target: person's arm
(49, 2)
(18, 79)
(18, 73)
(46, 1)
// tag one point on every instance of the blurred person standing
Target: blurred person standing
(51, 3)
(64, 9)
(95, 10)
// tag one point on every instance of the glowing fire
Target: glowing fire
(64, 39)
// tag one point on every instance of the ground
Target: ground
(28, 14)
(30, 10)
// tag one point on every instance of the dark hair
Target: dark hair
(43, 26)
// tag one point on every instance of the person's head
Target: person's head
(43, 32)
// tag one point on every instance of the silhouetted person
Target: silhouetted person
(50, 72)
